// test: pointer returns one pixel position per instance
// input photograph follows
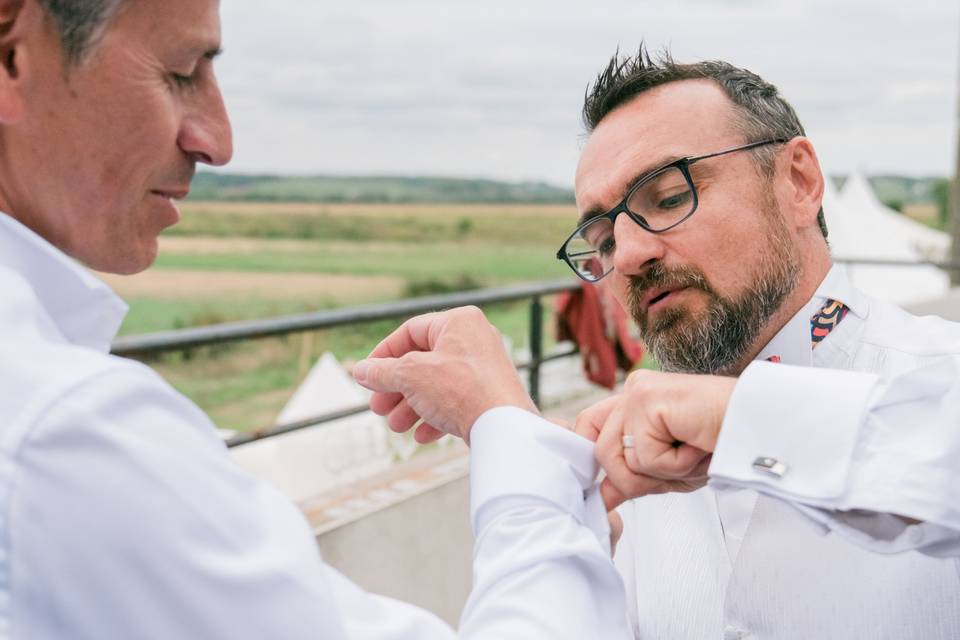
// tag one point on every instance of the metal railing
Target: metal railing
(185, 339)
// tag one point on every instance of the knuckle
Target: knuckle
(406, 369)
(605, 453)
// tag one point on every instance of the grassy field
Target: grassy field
(234, 261)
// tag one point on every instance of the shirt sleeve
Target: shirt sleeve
(856, 454)
(542, 566)
(129, 520)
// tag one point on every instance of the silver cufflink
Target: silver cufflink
(770, 466)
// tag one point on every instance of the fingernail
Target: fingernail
(360, 370)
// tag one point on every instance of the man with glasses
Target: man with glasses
(700, 207)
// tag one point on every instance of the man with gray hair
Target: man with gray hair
(121, 514)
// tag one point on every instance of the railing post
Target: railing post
(536, 347)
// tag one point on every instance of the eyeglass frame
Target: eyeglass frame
(683, 164)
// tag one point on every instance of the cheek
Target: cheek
(619, 287)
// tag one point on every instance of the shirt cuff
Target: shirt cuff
(790, 432)
(518, 458)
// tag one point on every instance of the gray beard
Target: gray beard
(719, 342)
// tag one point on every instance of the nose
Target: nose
(205, 132)
(636, 248)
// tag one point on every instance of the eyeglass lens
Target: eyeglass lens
(660, 201)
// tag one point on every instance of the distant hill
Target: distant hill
(271, 188)
(895, 191)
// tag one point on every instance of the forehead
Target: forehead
(683, 118)
(169, 24)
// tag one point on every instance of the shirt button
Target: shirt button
(732, 633)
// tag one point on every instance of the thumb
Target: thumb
(377, 374)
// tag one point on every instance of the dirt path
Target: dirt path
(179, 284)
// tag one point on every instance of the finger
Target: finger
(402, 418)
(661, 459)
(701, 471)
(412, 335)
(387, 375)
(609, 443)
(616, 529)
(425, 434)
(612, 497)
(376, 374)
(383, 403)
(610, 453)
(590, 420)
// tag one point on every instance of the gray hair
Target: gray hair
(80, 23)
(762, 113)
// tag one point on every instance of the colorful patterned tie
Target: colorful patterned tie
(822, 323)
(826, 320)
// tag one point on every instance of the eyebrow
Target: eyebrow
(593, 212)
(211, 54)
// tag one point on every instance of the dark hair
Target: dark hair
(80, 23)
(762, 113)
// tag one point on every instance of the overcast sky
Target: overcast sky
(494, 88)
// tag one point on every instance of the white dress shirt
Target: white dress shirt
(727, 562)
(122, 516)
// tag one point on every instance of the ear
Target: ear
(17, 19)
(804, 181)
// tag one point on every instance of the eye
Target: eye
(606, 245)
(674, 201)
(184, 81)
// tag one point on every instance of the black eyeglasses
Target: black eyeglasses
(659, 201)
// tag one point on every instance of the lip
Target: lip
(656, 297)
(168, 213)
(171, 194)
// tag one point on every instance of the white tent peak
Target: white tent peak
(324, 457)
(860, 226)
(327, 388)
(858, 192)
(923, 242)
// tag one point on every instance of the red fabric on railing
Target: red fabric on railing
(592, 318)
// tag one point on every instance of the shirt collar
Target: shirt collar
(83, 308)
(792, 342)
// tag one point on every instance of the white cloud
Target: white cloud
(495, 88)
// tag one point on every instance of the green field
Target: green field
(234, 261)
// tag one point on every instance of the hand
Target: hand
(674, 419)
(446, 368)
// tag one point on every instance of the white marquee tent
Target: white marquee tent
(328, 456)
(860, 226)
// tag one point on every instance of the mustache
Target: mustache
(659, 276)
